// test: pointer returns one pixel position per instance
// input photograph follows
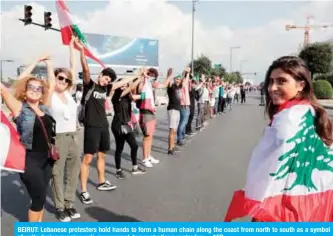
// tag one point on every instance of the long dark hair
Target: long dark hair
(297, 68)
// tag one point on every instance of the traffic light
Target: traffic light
(80, 75)
(47, 20)
(27, 14)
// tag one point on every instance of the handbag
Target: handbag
(52, 148)
(125, 129)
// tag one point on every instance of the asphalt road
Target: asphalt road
(195, 185)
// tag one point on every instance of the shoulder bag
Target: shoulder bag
(52, 148)
(82, 109)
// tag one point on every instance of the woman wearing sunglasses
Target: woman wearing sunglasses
(37, 129)
(64, 111)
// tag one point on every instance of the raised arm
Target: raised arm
(116, 85)
(28, 70)
(72, 58)
(84, 64)
(186, 77)
(167, 82)
(51, 81)
(131, 88)
(199, 86)
(11, 102)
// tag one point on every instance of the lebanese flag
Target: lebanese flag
(147, 96)
(68, 28)
(12, 152)
(290, 174)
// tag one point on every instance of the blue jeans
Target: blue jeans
(184, 115)
(216, 105)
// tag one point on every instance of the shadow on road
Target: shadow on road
(103, 215)
(16, 198)
(15, 201)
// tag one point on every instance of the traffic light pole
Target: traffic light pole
(33, 23)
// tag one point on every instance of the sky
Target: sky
(257, 27)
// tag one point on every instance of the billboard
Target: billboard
(123, 51)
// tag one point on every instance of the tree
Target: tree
(328, 77)
(234, 77)
(318, 57)
(247, 83)
(202, 65)
(300, 160)
(239, 78)
(217, 72)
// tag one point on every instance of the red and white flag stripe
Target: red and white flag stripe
(12, 152)
(68, 28)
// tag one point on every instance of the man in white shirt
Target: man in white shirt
(216, 91)
(201, 105)
(230, 96)
(205, 97)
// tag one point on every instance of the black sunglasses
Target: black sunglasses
(61, 78)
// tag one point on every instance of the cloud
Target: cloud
(164, 21)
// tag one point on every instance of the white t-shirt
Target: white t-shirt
(216, 92)
(231, 93)
(205, 95)
(65, 115)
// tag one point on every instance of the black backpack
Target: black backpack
(82, 108)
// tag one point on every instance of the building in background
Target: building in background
(40, 71)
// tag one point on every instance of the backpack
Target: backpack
(82, 107)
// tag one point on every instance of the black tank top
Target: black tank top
(39, 143)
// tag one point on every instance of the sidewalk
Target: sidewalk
(327, 103)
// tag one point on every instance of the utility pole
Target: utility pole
(192, 54)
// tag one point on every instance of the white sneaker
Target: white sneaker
(153, 160)
(147, 163)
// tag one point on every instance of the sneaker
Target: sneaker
(147, 163)
(85, 198)
(62, 216)
(120, 174)
(153, 160)
(138, 171)
(106, 186)
(72, 213)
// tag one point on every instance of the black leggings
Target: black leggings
(36, 178)
(120, 142)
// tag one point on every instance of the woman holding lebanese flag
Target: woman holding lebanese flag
(290, 174)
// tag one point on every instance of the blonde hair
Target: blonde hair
(20, 88)
(68, 74)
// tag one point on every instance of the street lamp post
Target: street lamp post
(192, 54)
(231, 49)
(1, 67)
